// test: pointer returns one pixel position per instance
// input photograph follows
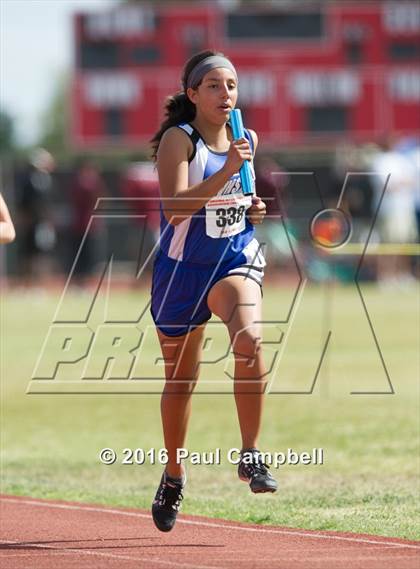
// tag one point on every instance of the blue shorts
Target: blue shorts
(180, 289)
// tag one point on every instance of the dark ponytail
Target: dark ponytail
(178, 107)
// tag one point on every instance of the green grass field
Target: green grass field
(369, 480)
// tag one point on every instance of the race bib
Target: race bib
(225, 213)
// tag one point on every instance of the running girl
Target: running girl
(208, 263)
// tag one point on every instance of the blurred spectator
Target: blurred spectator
(350, 173)
(86, 186)
(35, 215)
(7, 230)
(410, 148)
(359, 190)
(396, 217)
(415, 156)
(140, 185)
(269, 188)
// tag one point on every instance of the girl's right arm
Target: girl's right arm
(178, 200)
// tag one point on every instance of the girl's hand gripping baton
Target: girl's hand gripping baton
(245, 170)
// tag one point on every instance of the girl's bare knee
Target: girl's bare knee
(246, 344)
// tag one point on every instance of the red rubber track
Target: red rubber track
(44, 534)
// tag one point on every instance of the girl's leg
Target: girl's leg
(237, 302)
(181, 356)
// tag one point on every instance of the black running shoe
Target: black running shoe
(167, 502)
(252, 469)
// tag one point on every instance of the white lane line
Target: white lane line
(112, 555)
(215, 524)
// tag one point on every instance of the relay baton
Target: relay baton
(245, 170)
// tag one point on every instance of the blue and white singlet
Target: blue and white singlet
(220, 230)
(215, 242)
